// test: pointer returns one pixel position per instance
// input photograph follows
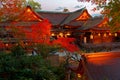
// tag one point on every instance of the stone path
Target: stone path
(103, 66)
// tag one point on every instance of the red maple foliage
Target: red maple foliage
(40, 32)
(67, 43)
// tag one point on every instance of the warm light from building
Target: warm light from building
(79, 75)
(85, 39)
(110, 34)
(115, 34)
(66, 26)
(52, 34)
(84, 16)
(28, 10)
(99, 34)
(68, 34)
(6, 44)
(61, 34)
(105, 35)
(91, 36)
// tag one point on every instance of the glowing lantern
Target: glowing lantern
(52, 34)
(61, 34)
(105, 35)
(79, 75)
(6, 45)
(68, 34)
(99, 34)
(115, 34)
(85, 39)
(66, 26)
(110, 34)
(91, 36)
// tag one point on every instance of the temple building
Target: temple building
(89, 31)
(27, 18)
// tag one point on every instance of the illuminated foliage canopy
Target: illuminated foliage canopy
(40, 32)
(67, 43)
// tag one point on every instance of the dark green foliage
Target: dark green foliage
(113, 13)
(59, 72)
(34, 5)
(15, 66)
(45, 49)
(17, 51)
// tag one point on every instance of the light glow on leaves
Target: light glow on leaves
(40, 32)
(67, 43)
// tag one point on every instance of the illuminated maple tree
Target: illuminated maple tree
(40, 32)
(67, 43)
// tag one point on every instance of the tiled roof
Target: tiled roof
(29, 15)
(103, 66)
(91, 23)
(60, 18)
(75, 23)
(22, 23)
(55, 18)
(73, 16)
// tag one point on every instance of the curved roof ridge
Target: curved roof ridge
(73, 15)
(81, 9)
(46, 11)
(59, 12)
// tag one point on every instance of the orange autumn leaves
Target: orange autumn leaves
(40, 33)
(67, 43)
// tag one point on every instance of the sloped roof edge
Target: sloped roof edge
(73, 16)
(40, 17)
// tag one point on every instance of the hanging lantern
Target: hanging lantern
(91, 36)
(110, 34)
(61, 34)
(99, 34)
(6, 44)
(79, 75)
(115, 34)
(68, 34)
(105, 35)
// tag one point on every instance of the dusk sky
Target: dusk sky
(59, 5)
